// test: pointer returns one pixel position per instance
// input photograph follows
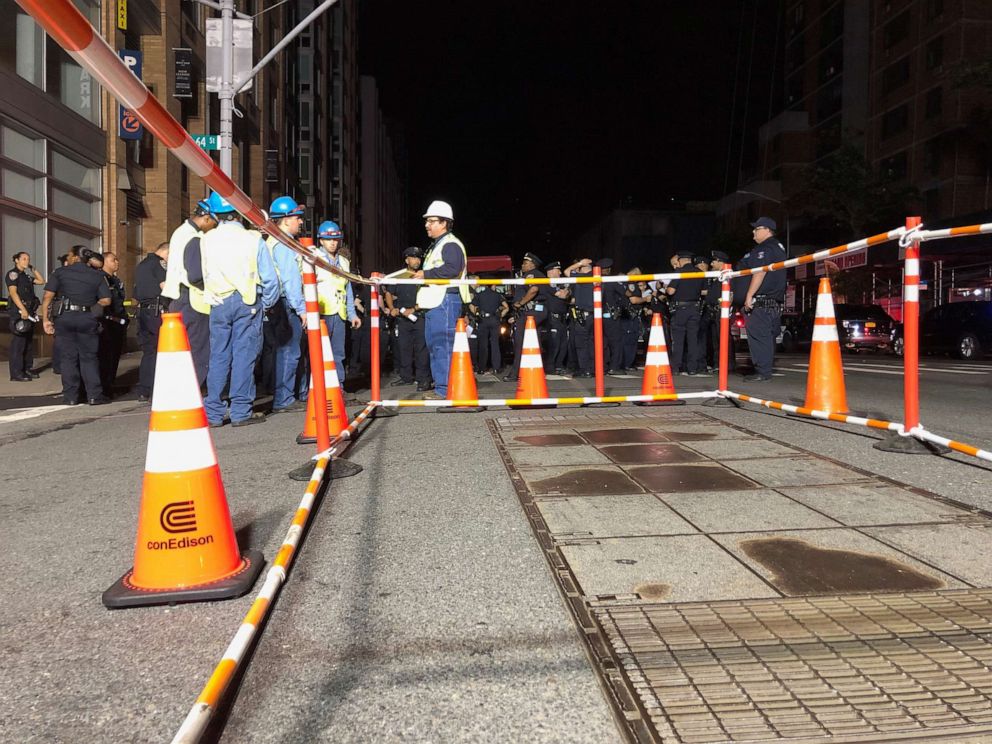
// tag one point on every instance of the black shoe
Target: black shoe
(218, 424)
(296, 405)
(423, 387)
(255, 418)
(757, 378)
(70, 402)
(398, 382)
(614, 372)
(101, 401)
(583, 375)
(33, 375)
(509, 378)
(20, 379)
(144, 397)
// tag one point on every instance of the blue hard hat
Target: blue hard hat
(217, 204)
(285, 206)
(329, 230)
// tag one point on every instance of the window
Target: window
(828, 100)
(935, 54)
(22, 232)
(794, 92)
(23, 149)
(832, 25)
(895, 121)
(797, 18)
(831, 62)
(934, 102)
(931, 156)
(895, 30)
(934, 9)
(895, 167)
(22, 44)
(75, 174)
(895, 75)
(23, 188)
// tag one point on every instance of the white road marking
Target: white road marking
(20, 414)
(889, 369)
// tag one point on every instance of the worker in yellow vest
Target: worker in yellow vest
(334, 293)
(184, 281)
(445, 259)
(240, 282)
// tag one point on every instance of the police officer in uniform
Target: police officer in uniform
(684, 295)
(149, 279)
(82, 289)
(764, 298)
(114, 325)
(527, 300)
(410, 357)
(184, 282)
(581, 332)
(21, 306)
(558, 298)
(710, 319)
(630, 322)
(615, 309)
(489, 307)
(241, 282)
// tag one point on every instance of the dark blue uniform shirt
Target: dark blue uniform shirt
(79, 283)
(148, 277)
(766, 252)
(488, 300)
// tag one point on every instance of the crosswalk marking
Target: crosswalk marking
(21, 414)
(888, 369)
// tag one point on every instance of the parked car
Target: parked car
(963, 329)
(738, 331)
(859, 327)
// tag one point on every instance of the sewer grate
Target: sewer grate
(853, 668)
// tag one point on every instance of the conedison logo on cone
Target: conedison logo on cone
(657, 370)
(186, 549)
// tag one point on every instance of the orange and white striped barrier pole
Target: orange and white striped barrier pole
(335, 414)
(597, 330)
(374, 363)
(317, 374)
(725, 349)
(70, 30)
(544, 402)
(911, 331)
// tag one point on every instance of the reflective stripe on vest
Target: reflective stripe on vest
(332, 290)
(431, 295)
(175, 272)
(230, 262)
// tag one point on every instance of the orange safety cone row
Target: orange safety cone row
(186, 548)
(825, 384)
(337, 415)
(532, 383)
(461, 376)
(657, 370)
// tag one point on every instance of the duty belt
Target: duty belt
(681, 303)
(487, 315)
(78, 308)
(765, 301)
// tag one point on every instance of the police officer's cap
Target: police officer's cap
(532, 258)
(686, 254)
(605, 263)
(412, 252)
(765, 222)
(553, 265)
(719, 256)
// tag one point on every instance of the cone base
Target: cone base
(336, 470)
(462, 409)
(304, 439)
(600, 405)
(909, 446)
(124, 594)
(659, 403)
(382, 412)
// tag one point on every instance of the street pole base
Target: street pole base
(909, 446)
(659, 403)
(461, 409)
(721, 403)
(382, 412)
(125, 594)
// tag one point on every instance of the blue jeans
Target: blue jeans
(439, 331)
(287, 357)
(336, 329)
(235, 340)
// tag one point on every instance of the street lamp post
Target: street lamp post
(788, 226)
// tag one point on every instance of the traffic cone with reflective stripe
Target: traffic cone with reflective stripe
(337, 416)
(825, 383)
(461, 376)
(657, 370)
(186, 549)
(531, 383)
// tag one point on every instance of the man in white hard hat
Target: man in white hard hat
(445, 259)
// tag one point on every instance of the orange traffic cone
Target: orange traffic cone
(657, 370)
(532, 383)
(461, 377)
(186, 549)
(825, 383)
(337, 416)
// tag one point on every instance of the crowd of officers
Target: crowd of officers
(240, 296)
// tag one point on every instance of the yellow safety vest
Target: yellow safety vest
(332, 290)
(175, 272)
(431, 295)
(230, 262)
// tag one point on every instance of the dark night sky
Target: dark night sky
(534, 119)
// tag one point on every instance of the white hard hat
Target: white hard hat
(440, 209)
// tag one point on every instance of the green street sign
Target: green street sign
(207, 141)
